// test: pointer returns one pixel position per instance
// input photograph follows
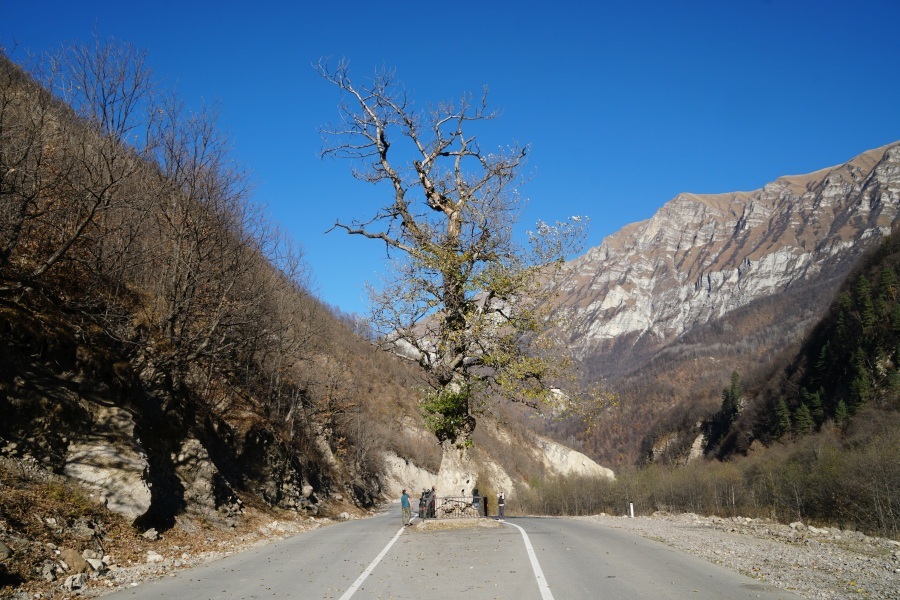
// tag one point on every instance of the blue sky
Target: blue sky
(624, 104)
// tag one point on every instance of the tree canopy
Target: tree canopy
(463, 298)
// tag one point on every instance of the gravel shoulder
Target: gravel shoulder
(813, 562)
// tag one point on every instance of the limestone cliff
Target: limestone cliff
(701, 256)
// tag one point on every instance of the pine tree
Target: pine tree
(841, 413)
(864, 303)
(721, 422)
(860, 386)
(824, 361)
(803, 421)
(814, 402)
(731, 399)
(895, 318)
(782, 418)
(842, 331)
(887, 283)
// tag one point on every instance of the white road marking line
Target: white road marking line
(538, 573)
(353, 588)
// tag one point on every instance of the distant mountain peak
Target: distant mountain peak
(703, 255)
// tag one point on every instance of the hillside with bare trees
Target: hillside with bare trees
(150, 310)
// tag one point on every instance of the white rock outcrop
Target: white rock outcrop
(701, 256)
(402, 474)
(562, 460)
(111, 463)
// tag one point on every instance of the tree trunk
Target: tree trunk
(457, 470)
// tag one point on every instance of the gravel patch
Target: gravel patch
(813, 562)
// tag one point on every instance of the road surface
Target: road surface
(527, 558)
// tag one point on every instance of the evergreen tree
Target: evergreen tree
(814, 401)
(864, 303)
(782, 418)
(824, 361)
(721, 422)
(895, 318)
(887, 284)
(860, 384)
(842, 332)
(731, 398)
(841, 413)
(803, 421)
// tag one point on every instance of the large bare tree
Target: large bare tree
(463, 298)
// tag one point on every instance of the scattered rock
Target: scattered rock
(151, 534)
(74, 561)
(88, 554)
(48, 570)
(96, 564)
(154, 557)
(83, 531)
(5, 551)
(75, 582)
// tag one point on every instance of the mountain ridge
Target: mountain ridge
(664, 310)
(712, 253)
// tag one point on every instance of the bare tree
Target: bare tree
(464, 299)
(64, 165)
(25, 178)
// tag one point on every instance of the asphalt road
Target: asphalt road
(526, 559)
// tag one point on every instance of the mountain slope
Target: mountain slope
(665, 309)
(703, 256)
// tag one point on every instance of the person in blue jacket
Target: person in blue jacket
(406, 508)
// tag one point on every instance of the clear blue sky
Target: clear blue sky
(625, 104)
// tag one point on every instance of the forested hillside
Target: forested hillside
(149, 309)
(848, 367)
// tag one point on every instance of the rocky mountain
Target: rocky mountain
(664, 310)
(701, 257)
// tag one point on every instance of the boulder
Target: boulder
(74, 561)
(75, 582)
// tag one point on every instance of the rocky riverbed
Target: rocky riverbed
(811, 561)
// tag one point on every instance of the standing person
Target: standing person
(405, 508)
(432, 500)
(501, 502)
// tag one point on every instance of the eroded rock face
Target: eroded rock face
(205, 491)
(111, 462)
(562, 460)
(402, 474)
(701, 256)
